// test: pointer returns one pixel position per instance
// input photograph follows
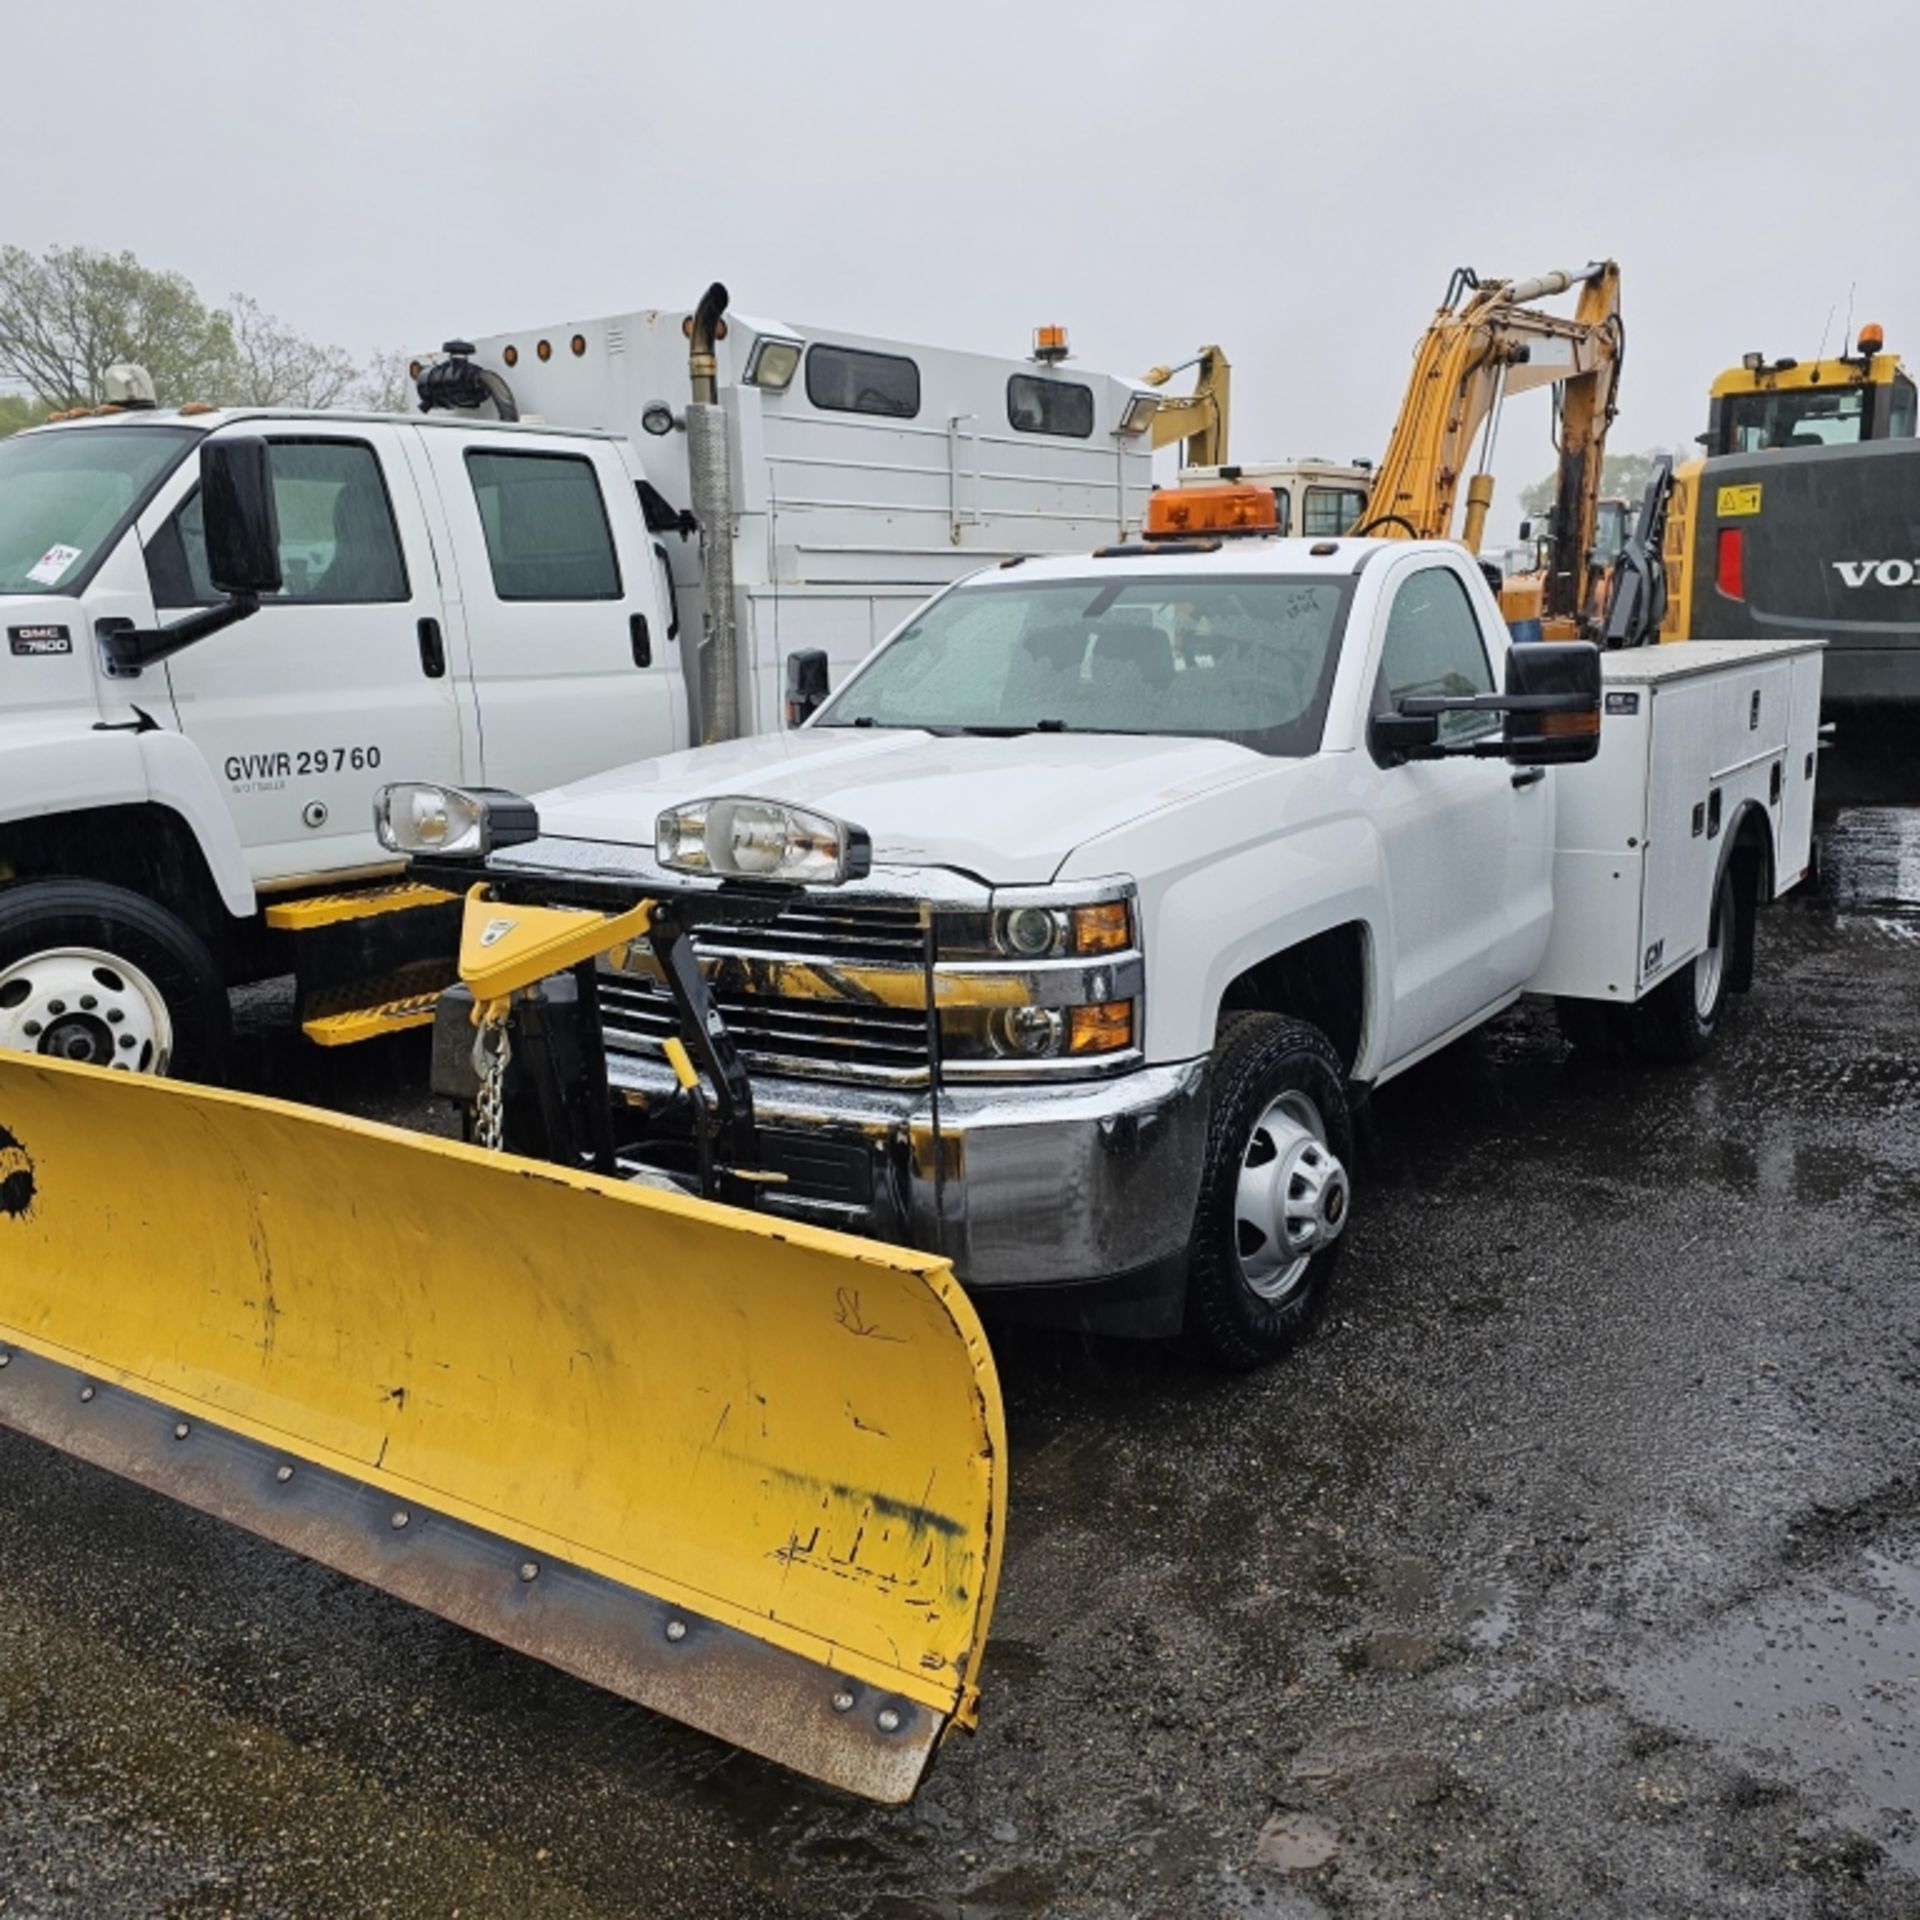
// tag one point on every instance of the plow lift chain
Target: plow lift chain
(506, 978)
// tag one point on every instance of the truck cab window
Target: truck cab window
(338, 542)
(1434, 646)
(1328, 512)
(546, 527)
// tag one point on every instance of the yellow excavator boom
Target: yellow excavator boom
(1200, 418)
(741, 1470)
(1488, 341)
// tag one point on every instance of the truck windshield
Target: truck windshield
(64, 497)
(1248, 659)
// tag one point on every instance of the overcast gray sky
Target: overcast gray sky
(1293, 181)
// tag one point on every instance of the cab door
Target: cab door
(573, 666)
(345, 678)
(1468, 841)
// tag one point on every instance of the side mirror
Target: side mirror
(1397, 737)
(237, 508)
(806, 684)
(1552, 703)
(242, 529)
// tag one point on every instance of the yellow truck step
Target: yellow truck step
(361, 903)
(372, 1009)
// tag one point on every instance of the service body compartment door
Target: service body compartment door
(1692, 736)
(340, 682)
(566, 636)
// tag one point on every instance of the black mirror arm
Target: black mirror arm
(129, 648)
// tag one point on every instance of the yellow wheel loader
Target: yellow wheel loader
(744, 1471)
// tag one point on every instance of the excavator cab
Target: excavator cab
(1763, 405)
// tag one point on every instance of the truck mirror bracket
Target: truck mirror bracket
(127, 648)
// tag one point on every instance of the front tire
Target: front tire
(103, 977)
(1274, 1190)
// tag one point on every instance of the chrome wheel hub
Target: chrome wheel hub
(79, 1004)
(1292, 1198)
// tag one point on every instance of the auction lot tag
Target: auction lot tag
(1737, 501)
(52, 564)
(29, 641)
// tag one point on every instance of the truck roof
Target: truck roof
(1257, 553)
(206, 419)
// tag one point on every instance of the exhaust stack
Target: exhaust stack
(708, 465)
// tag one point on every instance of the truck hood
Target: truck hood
(1006, 811)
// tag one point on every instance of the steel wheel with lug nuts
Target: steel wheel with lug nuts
(1275, 1194)
(101, 976)
(79, 1004)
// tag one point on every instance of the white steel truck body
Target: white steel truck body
(1166, 862)
(463, 596)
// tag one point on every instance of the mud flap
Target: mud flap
(745, 1472)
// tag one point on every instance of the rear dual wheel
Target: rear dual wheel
(103, 977)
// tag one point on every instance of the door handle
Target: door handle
(642, 640)
(673, 592)
(433, 654)
(1529, 776)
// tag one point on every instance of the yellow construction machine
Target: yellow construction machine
(1487, 341)
(1200, 418)
(744, 1471)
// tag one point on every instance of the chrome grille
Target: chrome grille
(787, 1033)
(885, 934)
(775, 1033)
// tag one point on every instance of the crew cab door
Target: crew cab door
(340, 682)
(1468, 842)
(572, 664)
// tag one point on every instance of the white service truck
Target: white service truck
(224, 629)
(1062, 938)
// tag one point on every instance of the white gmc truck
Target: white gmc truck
(598, 540)
(1063, 937)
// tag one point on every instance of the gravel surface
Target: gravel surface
(1572, 1568)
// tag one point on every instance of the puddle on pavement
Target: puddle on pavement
(1870, 866)
(1816, 1684)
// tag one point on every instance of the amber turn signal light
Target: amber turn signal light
(1102, 1029)
(1105, 928)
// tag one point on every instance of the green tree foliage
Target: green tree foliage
(69, 314)
(1622, 475)
(17, 411)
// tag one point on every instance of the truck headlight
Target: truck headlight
(416, 816)
(1042, 933)
(745, 839)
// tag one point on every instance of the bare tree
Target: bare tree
(272, 366)
(67, 315)
(386, 383)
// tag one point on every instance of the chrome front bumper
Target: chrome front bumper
(1018, 1185)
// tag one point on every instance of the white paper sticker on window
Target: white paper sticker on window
(47, 570)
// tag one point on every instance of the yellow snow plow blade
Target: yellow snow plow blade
(743, 1471)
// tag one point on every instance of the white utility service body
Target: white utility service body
(1193, 730)
(464, 598)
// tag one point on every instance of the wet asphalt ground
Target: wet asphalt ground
(1572, 1568)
